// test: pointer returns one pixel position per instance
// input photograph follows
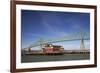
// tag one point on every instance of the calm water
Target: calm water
(45, 58)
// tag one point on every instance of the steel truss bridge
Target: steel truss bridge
(72, 37)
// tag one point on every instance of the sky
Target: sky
(46, 25)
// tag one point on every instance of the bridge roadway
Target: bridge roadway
(68, 38)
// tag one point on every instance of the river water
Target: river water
(47, 58)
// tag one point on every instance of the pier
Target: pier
(56, 53)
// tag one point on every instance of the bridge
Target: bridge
(72, 37)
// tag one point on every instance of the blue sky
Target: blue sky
(52, 24)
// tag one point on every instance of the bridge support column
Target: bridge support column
(82, 47)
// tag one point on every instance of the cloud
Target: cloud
(55, 31)
(35, 35)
